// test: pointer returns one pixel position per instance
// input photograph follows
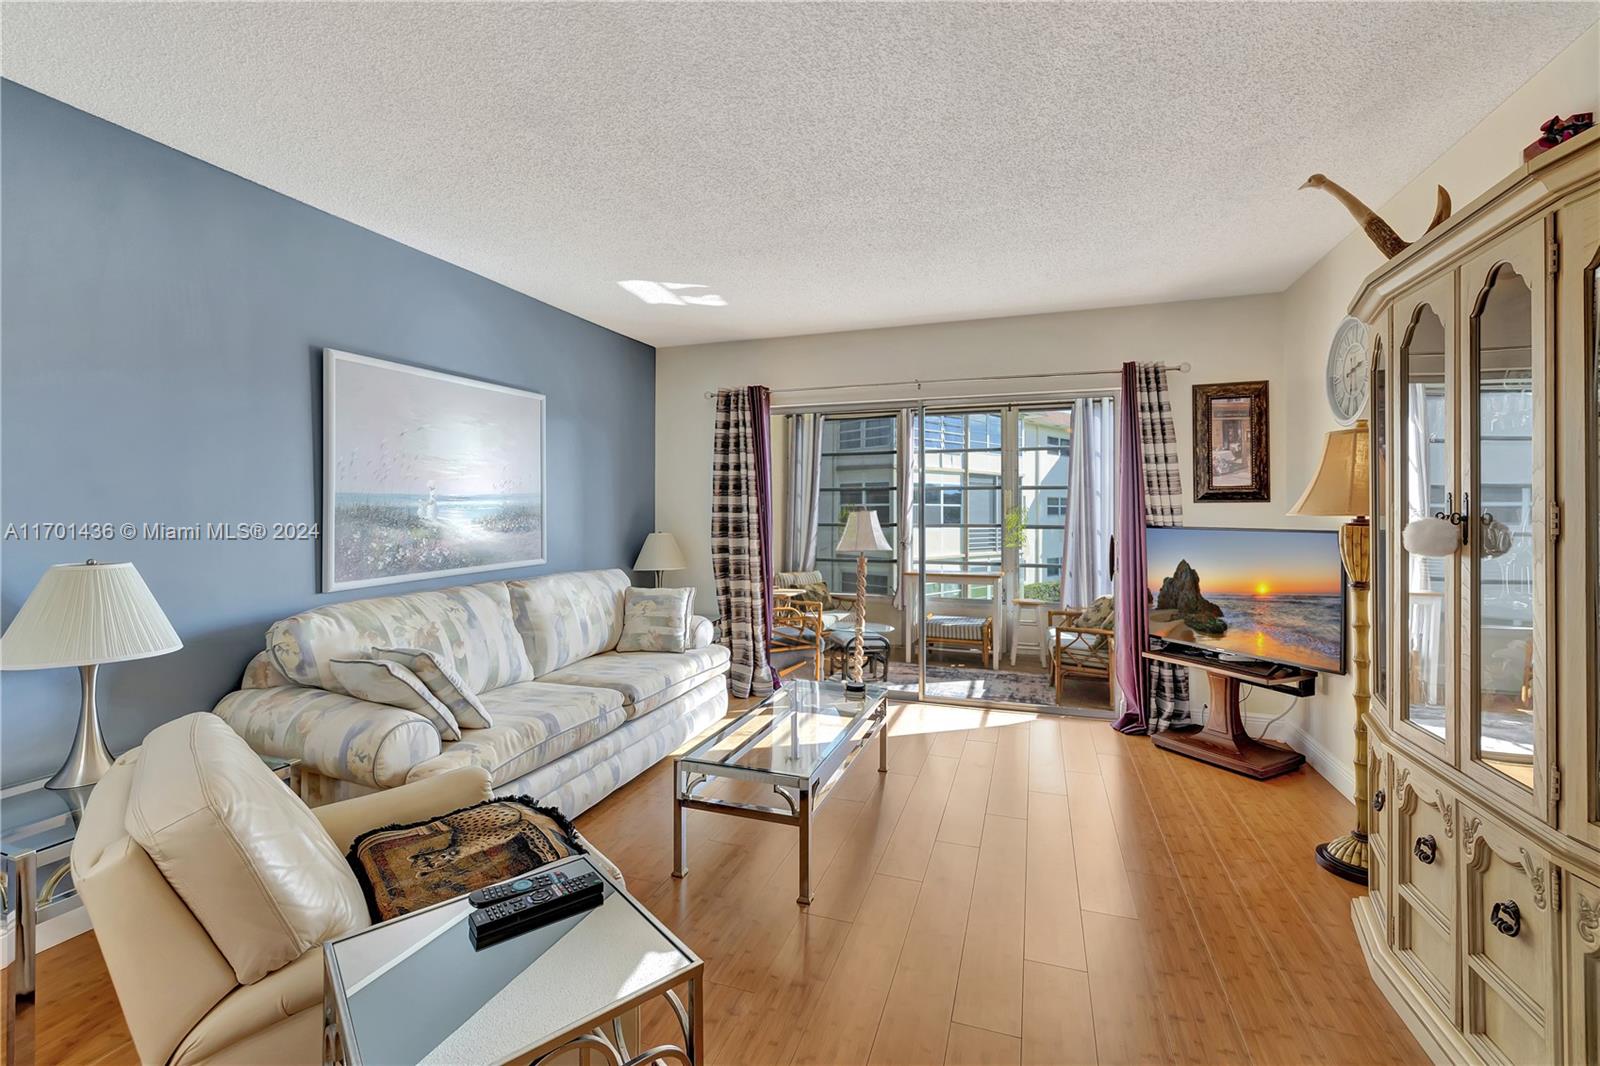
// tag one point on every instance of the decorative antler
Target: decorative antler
(1380, 232)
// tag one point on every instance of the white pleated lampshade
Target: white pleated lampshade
(83, 613)
(660, 552)
(862, 533)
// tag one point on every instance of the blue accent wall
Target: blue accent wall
(160, 355)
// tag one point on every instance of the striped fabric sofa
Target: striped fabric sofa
(572, 719)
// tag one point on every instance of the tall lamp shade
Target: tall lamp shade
(862, 534)
(1341, 486)
(86, 615)
(660, 552)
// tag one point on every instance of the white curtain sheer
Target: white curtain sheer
(906, 480)
(1091, 499)
(804, 432)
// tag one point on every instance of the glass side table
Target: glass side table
(414, 989)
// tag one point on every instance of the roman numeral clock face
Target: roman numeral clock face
(1347, 371)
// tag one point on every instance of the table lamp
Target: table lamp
(660, 552)
(84, 615)
(862, 534)
(1341, 487)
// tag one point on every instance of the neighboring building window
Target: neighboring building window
(1056, 444)
(961, 502)
(856, 434)
(859, 469)
(1055, 505)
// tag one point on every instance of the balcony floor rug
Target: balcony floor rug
(976, 683)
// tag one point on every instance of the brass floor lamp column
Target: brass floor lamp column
(1347, 855)
(1341, 487)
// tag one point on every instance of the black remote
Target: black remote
(506, 889)
(531, 909)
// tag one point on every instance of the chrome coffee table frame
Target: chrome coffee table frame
(802, 793)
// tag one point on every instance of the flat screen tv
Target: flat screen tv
(1272, 594)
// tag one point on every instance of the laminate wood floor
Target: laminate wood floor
(1014, 890)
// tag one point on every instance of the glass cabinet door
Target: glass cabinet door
(1379, 448)
(1424, 480)
(1505, 615)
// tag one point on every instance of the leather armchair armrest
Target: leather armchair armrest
(420, 799)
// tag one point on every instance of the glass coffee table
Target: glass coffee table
(798, 741)
(414, 990)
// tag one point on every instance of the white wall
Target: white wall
(1280, 337)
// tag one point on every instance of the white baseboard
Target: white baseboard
(1337, 772)
(58, 930)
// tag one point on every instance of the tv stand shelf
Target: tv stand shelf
(1223, 741)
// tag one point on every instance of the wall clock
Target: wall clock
(1347, 371)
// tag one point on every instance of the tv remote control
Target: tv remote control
(506, 889)
(531, 909)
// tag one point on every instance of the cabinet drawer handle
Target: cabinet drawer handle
(1425, 849)
(1378, 800)
(1505, 917)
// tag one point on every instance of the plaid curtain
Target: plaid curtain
(741, 557)
(1155, 696)
(1167, 684)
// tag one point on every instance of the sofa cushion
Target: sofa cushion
(646, 679)
(656, 619)
(534, 723)
(441, 680)
(248, 858)
(389, 683)
(470, 625)
(567, 617)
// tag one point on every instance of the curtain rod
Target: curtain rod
(1181, 368)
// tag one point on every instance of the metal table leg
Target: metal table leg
(805, 847)
(680, 825)
(26, 902)
(883, 743)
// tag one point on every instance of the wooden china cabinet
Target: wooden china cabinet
(1481, 922)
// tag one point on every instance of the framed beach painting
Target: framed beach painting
(426, 474)
(1231, 457)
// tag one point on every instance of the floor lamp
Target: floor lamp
(862, 534)
(1341, 487)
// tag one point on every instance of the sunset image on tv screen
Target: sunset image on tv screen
(1263, 593)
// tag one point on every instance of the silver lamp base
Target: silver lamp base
(89, 759)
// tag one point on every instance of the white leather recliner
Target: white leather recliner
(212, 887)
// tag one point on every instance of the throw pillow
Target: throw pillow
(818, 592)
(441, 679)
(389, 683)
(1098, 614)
(402, 868)
(656, 620)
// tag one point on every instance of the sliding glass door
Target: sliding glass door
(991, 490)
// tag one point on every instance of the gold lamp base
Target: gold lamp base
(1345, 857)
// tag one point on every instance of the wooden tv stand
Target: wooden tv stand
(1223, 741)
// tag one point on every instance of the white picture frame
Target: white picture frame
(427, 474)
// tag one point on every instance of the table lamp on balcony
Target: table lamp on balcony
(862, 534)
(84, 615)
(660, 552)
(1341, 486)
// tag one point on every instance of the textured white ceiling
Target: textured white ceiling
(816, 166)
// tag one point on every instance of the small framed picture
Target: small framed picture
(1230, 442)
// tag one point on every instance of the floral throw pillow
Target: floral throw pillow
(441, 679)
(656, 620)
(389, 683)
